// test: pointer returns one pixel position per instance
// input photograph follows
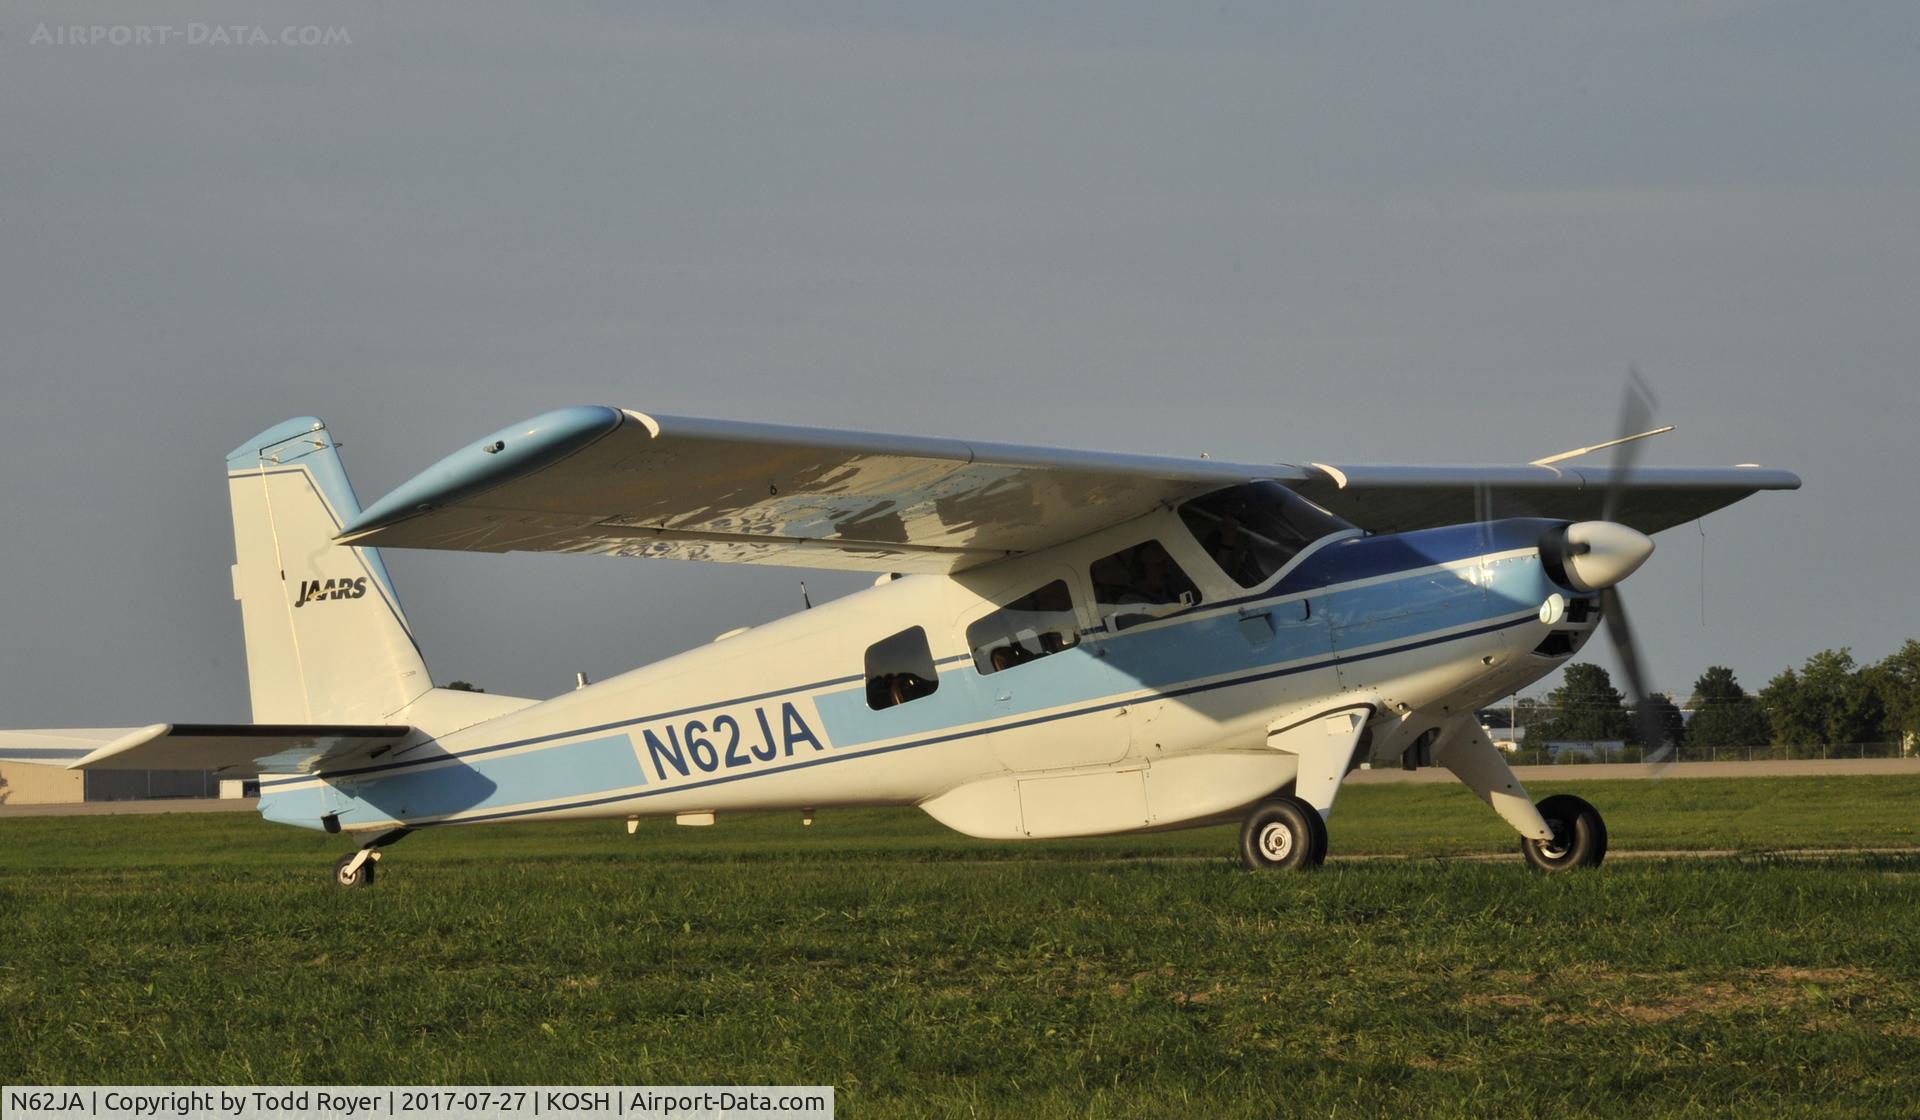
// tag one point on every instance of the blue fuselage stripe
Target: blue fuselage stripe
(535, 740)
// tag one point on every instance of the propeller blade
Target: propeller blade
(1652, 734)
(1636, 415)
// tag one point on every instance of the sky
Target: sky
(1269, 232)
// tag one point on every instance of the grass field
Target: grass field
(923, 973)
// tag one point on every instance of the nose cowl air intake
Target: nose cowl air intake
(1594, 555)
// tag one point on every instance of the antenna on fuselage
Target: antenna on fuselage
(804, 598)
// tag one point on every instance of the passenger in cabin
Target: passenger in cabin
(891, 690)
(1233, 548)
(1142, 576)
(1159, 581)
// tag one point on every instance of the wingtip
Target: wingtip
(510, 453)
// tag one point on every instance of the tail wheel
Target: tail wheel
(1285, 832)
(1579, 835)
(348, 876)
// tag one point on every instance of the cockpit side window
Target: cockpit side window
(1139, 584)
(1252, 530)
(1033, 626)
(900, 669)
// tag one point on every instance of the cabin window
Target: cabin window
(1139, 584)
(1027, 629)
(900, 670)
(1251, 531)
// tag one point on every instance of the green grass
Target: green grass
(927, 974)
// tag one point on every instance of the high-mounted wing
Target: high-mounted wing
(604, 480)
(233, 748)
(1396, 499)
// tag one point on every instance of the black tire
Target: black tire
(1285, 833)
(360, 878)
(1579, 835)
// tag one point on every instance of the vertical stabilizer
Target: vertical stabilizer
(326, 640)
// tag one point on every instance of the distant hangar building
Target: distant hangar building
(26, 783)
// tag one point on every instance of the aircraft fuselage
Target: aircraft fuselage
(1171, 707)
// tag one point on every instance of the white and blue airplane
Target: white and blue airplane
(1059, 643)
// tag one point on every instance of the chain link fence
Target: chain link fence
(1604, 753)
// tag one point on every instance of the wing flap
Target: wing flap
(238, 748)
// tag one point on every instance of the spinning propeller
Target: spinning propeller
(1597, 555)
(1636, 410)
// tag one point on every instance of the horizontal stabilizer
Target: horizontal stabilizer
(229, 748)
(57, 746)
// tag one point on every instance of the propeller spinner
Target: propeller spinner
(1595, 555)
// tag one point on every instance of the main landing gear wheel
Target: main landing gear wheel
(1579, 835)
(1285, 832)
(348, 875)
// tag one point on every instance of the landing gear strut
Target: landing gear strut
(1284, 832)
(1579, 835)
(1561, 833)
(356, 869)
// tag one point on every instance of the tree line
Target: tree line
(1830, 700)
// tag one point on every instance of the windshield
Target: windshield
(1252, 530)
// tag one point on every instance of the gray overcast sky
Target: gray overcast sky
(1270, 231)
